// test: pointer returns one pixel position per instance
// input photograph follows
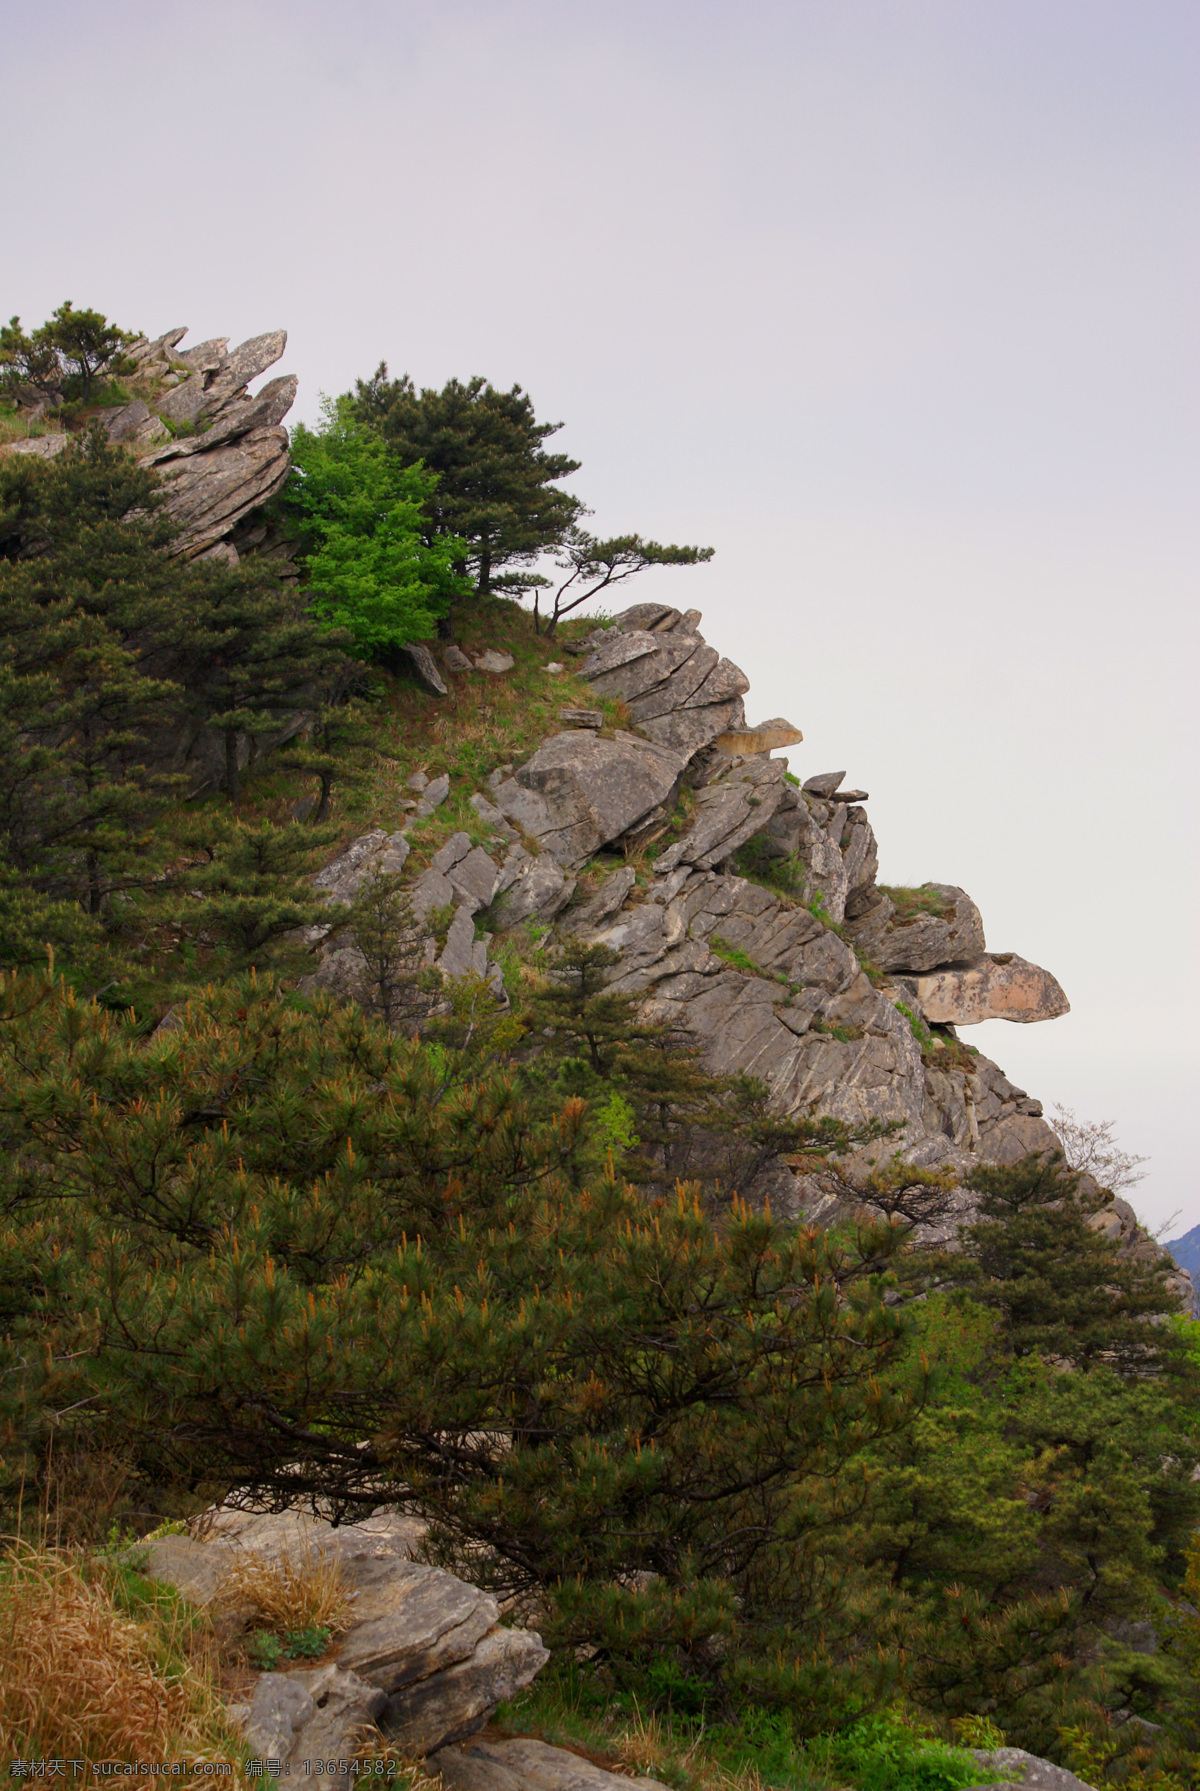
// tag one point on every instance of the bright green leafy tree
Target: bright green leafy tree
(371, 568)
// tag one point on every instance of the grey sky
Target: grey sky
(893, 304)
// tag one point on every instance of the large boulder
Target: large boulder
(422, 1653)
(580, 791)
(207, 493)
(679, 691)
(524, 1764)
(1000, 987)
(728, 813)
(918, 939)
(1027, 1771)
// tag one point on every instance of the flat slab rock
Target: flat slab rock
(527, 1765)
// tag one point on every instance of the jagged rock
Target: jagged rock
(268, 408)
(727, 814)
(579, 791)
(998, 988)
(228, 380)
(145, 352)
(824, 783)
(927, 941)
(581, 718)
(768, 736)
(527, 1765)
(207, 493)
(44, 447)
(185, 402)
(531, 888)
(122, 421)
(854, 796)
(494, 661)
(487, 811)
(641, 616)
(302, 1718)
(463, 954)
(1026, 1771)
(371, 852)
(425, 667)
(613, 649)
(205, 357)
(455, 660)
(603, 901)
(436, 793)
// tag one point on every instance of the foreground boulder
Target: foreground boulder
(423, 1654)
(1026, 1772)
(527, 1765)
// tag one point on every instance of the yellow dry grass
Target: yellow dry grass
(81, 1681)
(297, 1589)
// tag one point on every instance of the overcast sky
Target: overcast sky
(894, 304)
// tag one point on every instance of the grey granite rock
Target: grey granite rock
(537, 889)
(425, 667)
(1028, 1771)
(579, 791)
(42, 447)
(371, 852)
(494, 661)
(208, 493)
(454, 659)
(436, 792)
(926, 941)
(525, 1764)
(824, 783)
(581, 718)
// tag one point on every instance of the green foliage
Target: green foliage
(911, 904)
(62, 358)
(497, 487)
(883, 1753)
(593, 565)
(266, 1649)
(362, 511)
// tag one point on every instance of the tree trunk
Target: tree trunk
(232, 780)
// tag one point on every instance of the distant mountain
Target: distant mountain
(1186, 1251)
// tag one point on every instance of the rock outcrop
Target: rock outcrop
(747, 913)
(421, 1654)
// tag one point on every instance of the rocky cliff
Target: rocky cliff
(760, 929)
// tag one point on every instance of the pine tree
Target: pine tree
(497, 485)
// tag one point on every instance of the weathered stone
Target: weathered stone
(643, 616)
(474, 879)
(998, 988)
(425, 667)
(280, 1706)
(487, 811)
(463, 954)
(419, 781)
(436, 793)
(185, 402)
(603, 901)
(205, 357)
(688, 730)
(161, 346)
(580, 791)
(122, 421)
(43, 447)
(455, 660)
(445, 1707)
(524, 1764)
(493, 660)
(926, 941)
(371, 852)
(854, 796)
(538, 890)
(1027, 1771)
(824, 784)
(206, 494)
(267, 409)
(727, 814)
(634, 678)
(615, 649)
(679, 688)
(239, 368)
(581, 718)
(768, 736)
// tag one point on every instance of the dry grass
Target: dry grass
(293, 1590)
(81, 1681)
